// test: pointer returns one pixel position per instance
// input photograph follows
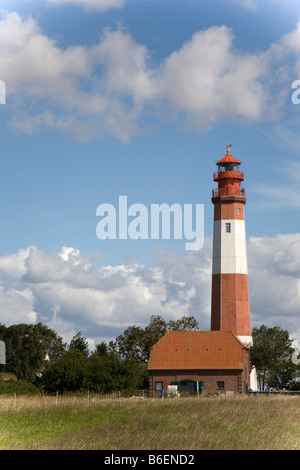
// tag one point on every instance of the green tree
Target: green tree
(136, 342)
(68, 373)
(130, 345)
(99, 373)
(79, 342)
(28, 347)
(152, 333)
(102, 349)
(183, 324)
(271, 354)
(102, 373)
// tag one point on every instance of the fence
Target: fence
(279, 392)
(16, 401)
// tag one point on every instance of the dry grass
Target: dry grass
(254, 423)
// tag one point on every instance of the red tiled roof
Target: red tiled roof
(228, 159)
(197, 350)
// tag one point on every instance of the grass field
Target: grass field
(240, 423)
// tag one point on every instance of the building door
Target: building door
(188, 386)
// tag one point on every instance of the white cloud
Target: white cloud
(254, 5)
(61, 86)
(17, 304)
(113, 87)
(250, 5)
(99, 5)
(12, 267)
(34, 66)
(125, 63)
(210, 81)
(71, 292)
(274, 279)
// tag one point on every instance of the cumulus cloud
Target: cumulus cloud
(208, 80)
(62, 86)
(72, 292)
(274, 278)
(17, 304)
(115, 87)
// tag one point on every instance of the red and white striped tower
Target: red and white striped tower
(230, 300)
(230, 310)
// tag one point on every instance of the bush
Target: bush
(20, 387)
(75, 371)
(6, 376)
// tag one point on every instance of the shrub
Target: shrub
(20, 387)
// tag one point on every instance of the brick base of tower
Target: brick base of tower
(230, 304)
(230, 310)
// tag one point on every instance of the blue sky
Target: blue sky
(140, 98)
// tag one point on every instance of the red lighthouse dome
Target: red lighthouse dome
(229, 177)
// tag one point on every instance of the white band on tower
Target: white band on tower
(229, 247)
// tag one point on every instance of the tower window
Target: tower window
(238, 210)
(228, 227)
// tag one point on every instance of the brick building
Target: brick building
(214, 361)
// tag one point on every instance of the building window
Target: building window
(221, 384)
(238, 210)
(228, 227)
(158, 386)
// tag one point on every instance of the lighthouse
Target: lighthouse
(230, 310)
(230, 299)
